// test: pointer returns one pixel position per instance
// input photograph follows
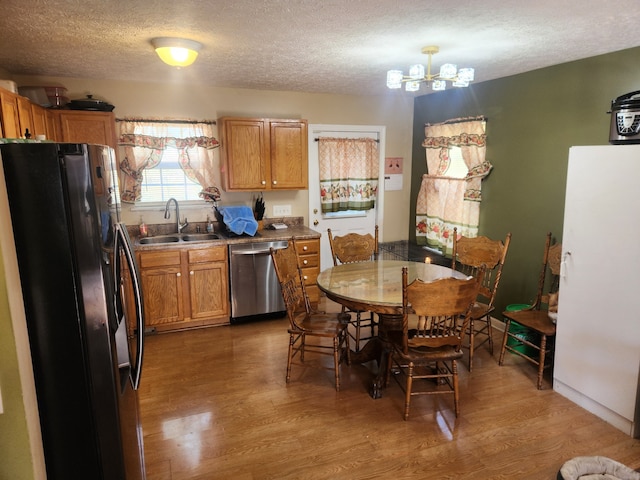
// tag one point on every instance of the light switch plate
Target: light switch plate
(281, 210)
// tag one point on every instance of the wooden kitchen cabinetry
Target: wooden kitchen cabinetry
(162, 290)
(79, 126)
(263, 154)
(9, 119)
(184, 288)
(17, 113)
(309, 255)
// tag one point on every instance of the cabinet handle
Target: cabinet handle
(264, 182)
(275, 182)
(305, 262)
(191, 272)
(178, 274)
(305, 248)
(305, 277)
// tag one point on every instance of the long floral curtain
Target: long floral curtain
(348, 173)
(445, 202)
(144, 142)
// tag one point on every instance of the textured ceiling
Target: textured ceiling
(330, 46)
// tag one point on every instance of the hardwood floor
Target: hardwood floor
(215, 405)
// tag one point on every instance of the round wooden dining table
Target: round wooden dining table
(376, 286)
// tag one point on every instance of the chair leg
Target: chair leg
(507, 325)
(472, 339)
(543, 351)
(456, 394)
(336, 361)
(290, 356)
(489, 333)
(358, 318)
(347, 346)
(407, 396)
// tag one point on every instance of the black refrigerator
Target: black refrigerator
(73, 258)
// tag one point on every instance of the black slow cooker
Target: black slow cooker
(625, 119)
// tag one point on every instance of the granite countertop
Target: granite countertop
(295, 229)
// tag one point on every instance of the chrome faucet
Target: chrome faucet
(167, 215)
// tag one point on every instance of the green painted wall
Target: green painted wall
(533, 120)
(15, 450)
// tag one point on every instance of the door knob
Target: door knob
(315, 223)
(315, 210)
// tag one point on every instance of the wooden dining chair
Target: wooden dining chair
(431, 350)
(350, 248)
(536, 319)
(469, 255)
(309, 330)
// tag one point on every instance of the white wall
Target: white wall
(202, 102)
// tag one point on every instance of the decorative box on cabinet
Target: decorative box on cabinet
(309, 254)
(263, 154)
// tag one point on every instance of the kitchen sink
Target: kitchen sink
(183, 237)
(160, 239)
(195, 237)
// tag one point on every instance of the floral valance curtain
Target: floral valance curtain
(143, 144)
(445, 202)
(348, 173)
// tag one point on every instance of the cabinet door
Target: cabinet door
(24, 116)
(244, 150)
(87, 127)
(39, 118)
(53, 127)
(208, 282)
(288, 155)
(9, 113)
(161, 287)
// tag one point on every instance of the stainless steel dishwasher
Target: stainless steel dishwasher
(254, 286)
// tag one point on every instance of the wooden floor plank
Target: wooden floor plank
(215, 405)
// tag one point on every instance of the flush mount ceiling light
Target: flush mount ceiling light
(438, 81)
(177, 52)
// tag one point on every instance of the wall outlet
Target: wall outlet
(281, 210)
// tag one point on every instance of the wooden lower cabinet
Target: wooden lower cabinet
(185, 288)
(309, 254)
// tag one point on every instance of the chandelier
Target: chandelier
(438, 81)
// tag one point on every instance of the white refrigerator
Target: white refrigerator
(597, 359)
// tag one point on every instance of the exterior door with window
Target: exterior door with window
(342, 223)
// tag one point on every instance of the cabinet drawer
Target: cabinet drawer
(309, 275)
(159, 259)
(215, 254)
(309, 261)
(304, 247)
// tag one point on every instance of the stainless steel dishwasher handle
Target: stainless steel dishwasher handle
(256, 251)
(251, 252)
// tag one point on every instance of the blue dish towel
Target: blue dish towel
(240, 220)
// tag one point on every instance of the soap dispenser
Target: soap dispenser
(209, 225)
(143, 228)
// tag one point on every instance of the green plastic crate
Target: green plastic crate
(522, 332)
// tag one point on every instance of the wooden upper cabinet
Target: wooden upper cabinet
(78, 126)
(289, 159)
(9, 114)
(18, 113)
(39, 121)
(263, 154)
(24, 115)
